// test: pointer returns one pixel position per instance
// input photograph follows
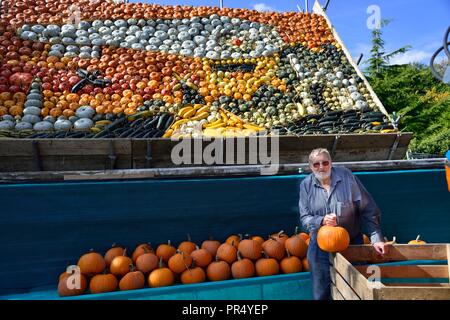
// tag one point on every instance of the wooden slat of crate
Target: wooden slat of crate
(342, 287)
(290, 149)
(399, 252)
(414, 293)
(335, 293)
(414, 271)
(64, 154)
(352, 277)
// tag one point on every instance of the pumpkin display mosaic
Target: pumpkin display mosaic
(151, 71)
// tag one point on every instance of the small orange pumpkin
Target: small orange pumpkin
(250, 249)
(165, 251)
(120, 265)
(193, 275)
(201, 257)
(218, 270)
(115, 251)
(211, 245)
(141, 249)
(280, 236)
(187, 246)
(147, 262)
(227, 252)
(91, 263)
(274, 249)
(102, 283)
(296, 246)
(266, 266)
(132, 280)
(161, 277)
(291, 264)
(243, 268)
(180, 261)
(417, 241)
(305, 264)
(234, 240)
(63, 285)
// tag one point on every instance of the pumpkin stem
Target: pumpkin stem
(189, 237)
(196, 247)
(168, 242)
(265, 254)
(132, 268)
(160, 262)
(239, 255)
(296, 230)
(418, 237)
(240, 236)
(280, 233)
(125, 252)
(232, 243)
(217, 258)
(288, 253)
(394, 240)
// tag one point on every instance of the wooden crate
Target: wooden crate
(352, 273)
(25, 155)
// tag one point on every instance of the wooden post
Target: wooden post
(448, 261)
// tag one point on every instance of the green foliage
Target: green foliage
(422, 101)
(379, 59)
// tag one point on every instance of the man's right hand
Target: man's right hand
(329, 220)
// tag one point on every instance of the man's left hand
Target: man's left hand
(381, 247)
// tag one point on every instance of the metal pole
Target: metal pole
(326, 5)
(306, 6)
(360, 58)
(221, 4)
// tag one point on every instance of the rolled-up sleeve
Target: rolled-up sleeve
(370, 214)
(307, 219)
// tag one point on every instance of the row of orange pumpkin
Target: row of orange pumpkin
(188, 263)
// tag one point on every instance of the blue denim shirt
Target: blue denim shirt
(348, 199)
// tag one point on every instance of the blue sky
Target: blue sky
(421, 24)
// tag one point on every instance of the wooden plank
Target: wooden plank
(210, 171)
(426, 285)
(414, 293)
(56, 147)
(448, 261)
(335, 294)
(342, 286)
(398, 252)
(353, 277)
(415, 271)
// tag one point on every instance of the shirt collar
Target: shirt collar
(335, 178)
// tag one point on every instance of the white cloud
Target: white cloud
(263, 7)
(411, 56)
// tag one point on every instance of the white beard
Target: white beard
(322, 175)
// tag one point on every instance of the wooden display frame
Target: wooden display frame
(352, 282)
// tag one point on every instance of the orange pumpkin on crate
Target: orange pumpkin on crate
(417, 241)
(161, 277)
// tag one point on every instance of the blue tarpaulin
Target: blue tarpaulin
(45, 227)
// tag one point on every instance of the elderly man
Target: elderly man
(334, 196)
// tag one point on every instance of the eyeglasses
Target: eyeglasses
(323, 163)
